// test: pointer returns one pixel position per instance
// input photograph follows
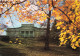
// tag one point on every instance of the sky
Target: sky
(12, 23)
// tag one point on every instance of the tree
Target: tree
(41, 14)
(69, 26)
(21, 6)
(54, 33)
(69, 23)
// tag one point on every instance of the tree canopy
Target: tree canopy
(69, 23)
(67, 15)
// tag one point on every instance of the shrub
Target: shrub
(5, 38)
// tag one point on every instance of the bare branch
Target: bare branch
(11, 21)
(12, 6)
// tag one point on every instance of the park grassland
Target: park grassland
(32, 47)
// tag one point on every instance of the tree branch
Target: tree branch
(11, 21)
(65, 15)
(62, 12)
(12, 6)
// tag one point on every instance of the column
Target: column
(24, 33)
(33, 33)
(29, 33)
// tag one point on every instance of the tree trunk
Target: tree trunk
(47, 33)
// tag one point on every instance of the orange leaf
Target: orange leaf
(5, 17)
(7, 23)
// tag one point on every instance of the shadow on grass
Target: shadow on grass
(1, 45)
(10, 52)
(57, 50)
(66, 51)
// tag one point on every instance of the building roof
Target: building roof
(28, 25)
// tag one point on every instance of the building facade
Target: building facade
(26, 30)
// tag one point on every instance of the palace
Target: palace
(26, 30)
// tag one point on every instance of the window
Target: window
(22, 32)
(31, 33)
(27, 32)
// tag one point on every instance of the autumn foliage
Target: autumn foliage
(69, 23)
(67, 16)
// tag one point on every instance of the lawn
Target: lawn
(30, 47)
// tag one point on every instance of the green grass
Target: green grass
(30, 47)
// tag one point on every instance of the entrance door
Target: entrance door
(31, 33)
(22, 33)
(27, 33)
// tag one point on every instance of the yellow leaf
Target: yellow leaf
(38, 3)
(58, 27)
(77, 44)
(10, 42)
